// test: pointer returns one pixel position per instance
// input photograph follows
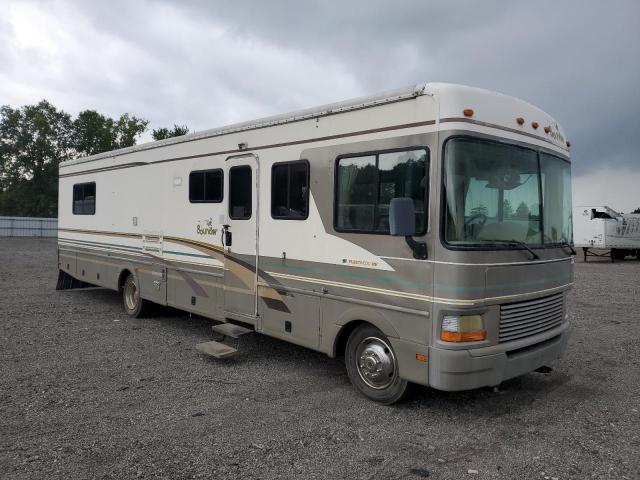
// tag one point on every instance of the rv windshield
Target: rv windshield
(493, 196)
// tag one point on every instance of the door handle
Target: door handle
(227, 238)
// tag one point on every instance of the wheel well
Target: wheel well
(123, 276)
(343, 336)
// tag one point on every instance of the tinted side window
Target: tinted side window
(240, 191)
(84, 198)
(290, 190)
(366, 184)
(205, 186)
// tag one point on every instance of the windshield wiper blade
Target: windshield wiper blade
(562, 244)
(567, 244)
(520, 243)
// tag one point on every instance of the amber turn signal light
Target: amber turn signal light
(468, 112)
(520, 121)
(534, 125)
(547, 129)
(464, 336)
(421, 357)
(462, 328)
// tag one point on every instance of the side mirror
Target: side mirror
(402, 223)
(402, 217)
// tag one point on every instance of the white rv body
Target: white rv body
(311, 278)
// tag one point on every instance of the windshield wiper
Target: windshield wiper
(563, 243)
(520, 243)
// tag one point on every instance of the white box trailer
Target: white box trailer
(601, 227)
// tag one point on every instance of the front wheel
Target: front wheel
(134, 305)
(372, 366)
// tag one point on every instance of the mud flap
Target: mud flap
(67, 282)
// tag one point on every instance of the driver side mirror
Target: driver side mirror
(402, 217)
(402, 223)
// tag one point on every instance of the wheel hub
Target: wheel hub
(131, 296)
(376, 363)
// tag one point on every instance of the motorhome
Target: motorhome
(424, 234)
(602, 232)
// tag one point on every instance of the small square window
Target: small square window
(205, 186)
(84, 198)
(290, 190)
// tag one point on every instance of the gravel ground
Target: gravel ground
(86, 392)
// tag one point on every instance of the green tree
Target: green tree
(507, 209)
(36, 138)
(33, 141)
(95, 133)
(522, 211)
(164, 133)
(637, 210)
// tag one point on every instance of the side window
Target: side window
(84, 198)
(205, 186)
(365, 185)
(290, 190)
(240, 188)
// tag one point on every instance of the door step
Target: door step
(216, 349)
(231, 330)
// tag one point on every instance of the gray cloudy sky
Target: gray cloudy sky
(207, 63)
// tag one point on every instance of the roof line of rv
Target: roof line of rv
(389, 96)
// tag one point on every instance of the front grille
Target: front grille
(523, 319)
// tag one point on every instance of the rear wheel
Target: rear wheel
(619, 254)
(372, 366)
(134, 305)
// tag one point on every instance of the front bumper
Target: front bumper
(453, 370)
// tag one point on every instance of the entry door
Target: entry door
(241, 241)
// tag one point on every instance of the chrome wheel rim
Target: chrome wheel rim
(376, 363)
(131, 295)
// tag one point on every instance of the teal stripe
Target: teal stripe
(368, 277)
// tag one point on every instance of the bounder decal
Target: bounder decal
(205, 227)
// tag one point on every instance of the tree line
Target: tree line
(34, 139)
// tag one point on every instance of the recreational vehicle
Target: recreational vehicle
(602, 228)
(424, 234)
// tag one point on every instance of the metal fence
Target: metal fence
(28, 227)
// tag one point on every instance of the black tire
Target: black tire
(619, 254)
(365, 348)
(134, 305)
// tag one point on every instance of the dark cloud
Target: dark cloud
(209, 63)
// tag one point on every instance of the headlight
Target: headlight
(462, 328)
